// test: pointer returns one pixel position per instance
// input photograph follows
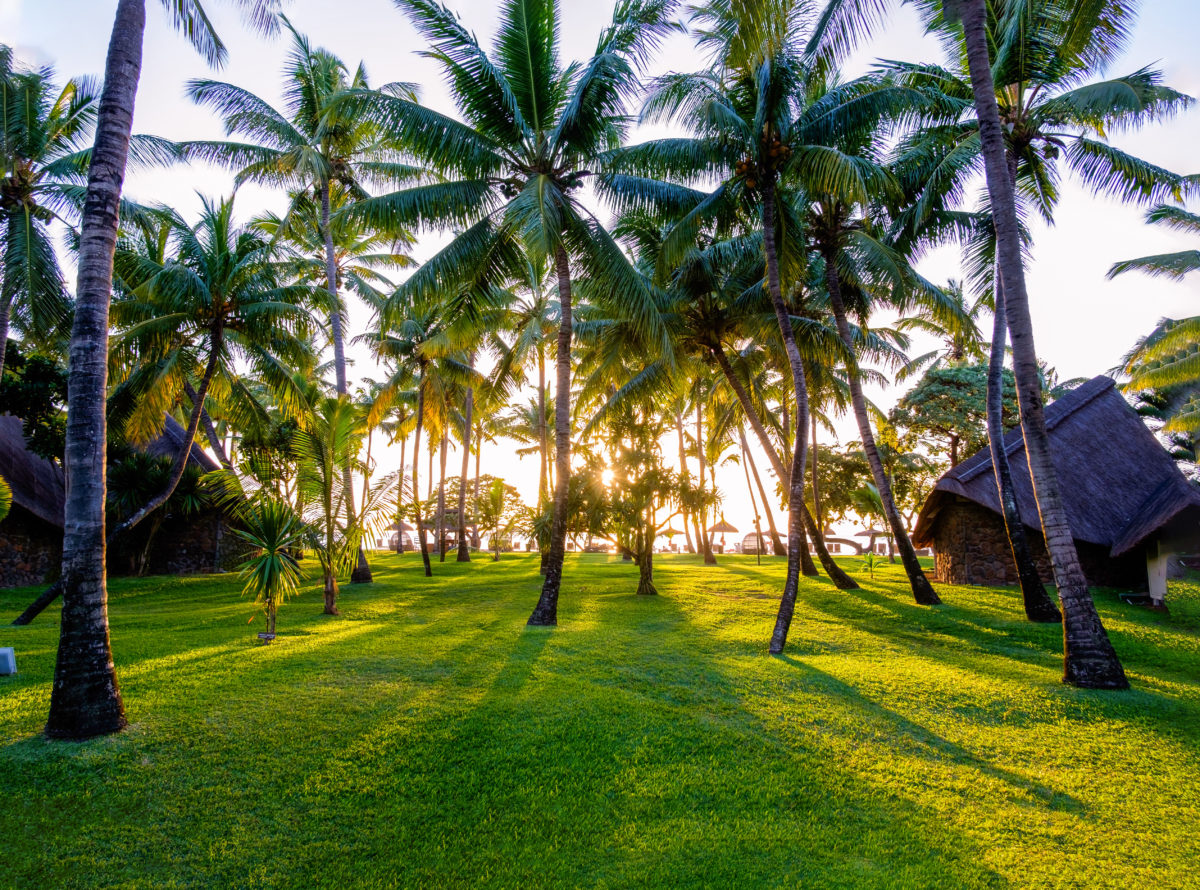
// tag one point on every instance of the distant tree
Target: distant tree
(34, 388)
(42, 154)
(500, 513)
(947, 410)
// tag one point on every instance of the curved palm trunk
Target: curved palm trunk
(777, 548)
(1038, 606)
(85, 700)
(464, 552)
(758, 539)
(362, 569)
(545, 613)
(1089, 659)
(185, 450)
(210, 429)
(415, 487)
(816, 485)
(5, 316)
(923, 591)
(795, 479)
(441, 501)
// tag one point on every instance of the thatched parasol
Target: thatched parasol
(722, 527)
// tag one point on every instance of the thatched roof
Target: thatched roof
(1119, 485)
(39, 485)
(171, 440)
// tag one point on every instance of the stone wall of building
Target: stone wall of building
(30, 549)
(196, 546)
(971, 547)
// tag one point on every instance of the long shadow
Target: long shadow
(908, 733)
(554, 768)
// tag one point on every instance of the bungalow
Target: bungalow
(1130, 508)
(31, 534)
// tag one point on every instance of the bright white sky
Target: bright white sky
(1083, 322)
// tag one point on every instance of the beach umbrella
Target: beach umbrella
(721, 528)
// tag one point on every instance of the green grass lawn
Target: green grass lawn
(427, 738)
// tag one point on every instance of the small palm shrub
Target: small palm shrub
(274, 530)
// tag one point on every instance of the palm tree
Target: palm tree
(273, 530)
(513, 170)
(42, 150)
(1170, 265)
(320, 151)
(327, 445)
(743, 118)
(1089, 658)
(191, 317)
(1054, 117)
(85, 700)
(1165, 360)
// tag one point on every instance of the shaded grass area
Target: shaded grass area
(427, 738)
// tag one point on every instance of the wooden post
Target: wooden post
(1157, 558)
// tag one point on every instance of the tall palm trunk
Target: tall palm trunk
(400, 497)
(441, 501)
(683, 475)
(816, 485)
(923, 591)
(758, 538)
(366, 489)
(706, 541)
(85, 699)
(362, 569)
(795, 479)
(417, 520)
(546, 611)
(543, 433)
(464, 552)
(1089, 659)
(475, 492)
(751, 467)
(1038, 606)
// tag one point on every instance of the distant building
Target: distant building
(1130, 508)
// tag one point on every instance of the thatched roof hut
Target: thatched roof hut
(31, 535)
(1126, 500)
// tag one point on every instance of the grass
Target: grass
(426, 738)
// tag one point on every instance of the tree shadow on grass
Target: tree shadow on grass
(908, 735)
(615, 751)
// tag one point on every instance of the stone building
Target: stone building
(31, 535)
(1130, 508)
